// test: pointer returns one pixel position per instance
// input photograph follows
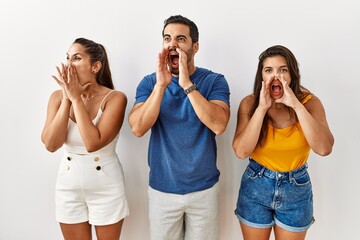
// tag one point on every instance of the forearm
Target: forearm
(55, 132)
(245, 141)
(90, 134)
(214, 116)
(317, 133)
(143, 117)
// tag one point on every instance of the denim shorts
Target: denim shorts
(267, 198)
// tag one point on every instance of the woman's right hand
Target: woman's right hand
(265, 99)
(63, 73)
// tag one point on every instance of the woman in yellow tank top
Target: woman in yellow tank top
(277, 126)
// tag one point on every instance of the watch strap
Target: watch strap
(190, 89)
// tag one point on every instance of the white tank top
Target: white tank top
(74, 142)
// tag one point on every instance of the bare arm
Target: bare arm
(143, 115)
(313, 122)
(55, 129)
(214, 114)
(248, 128)
(97, 136)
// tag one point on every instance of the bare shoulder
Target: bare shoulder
(313, 101)
(314, 105)
(246, 103)
(56, 96)
(116, 98)
(119, 95)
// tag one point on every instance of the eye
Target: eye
(167, 39)
(181, 39)
(284, 70)
(77, 58)
(268, 70)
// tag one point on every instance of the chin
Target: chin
(174, 71)
(277, 96)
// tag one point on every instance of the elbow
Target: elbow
(51, 148)
(137, 133)
(324, 151)
(240, 153)
(219, 130)
(135, 129)
(325, 148)
(90, 148)
(49, 144)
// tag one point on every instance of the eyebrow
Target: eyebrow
(67, 54)
(168, 35)
(282, 66)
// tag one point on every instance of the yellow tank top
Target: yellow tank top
(285, 149)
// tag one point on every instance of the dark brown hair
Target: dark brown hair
(97, 52)
(194, 32)
(299, 91)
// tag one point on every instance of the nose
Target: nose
(173, 42)
(68, 62)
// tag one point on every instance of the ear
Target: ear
(96, 67)
(196, 47)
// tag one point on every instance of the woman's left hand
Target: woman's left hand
(288, 98)
(72, 86)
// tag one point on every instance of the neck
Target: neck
(90, 92)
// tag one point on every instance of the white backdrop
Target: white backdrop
(324, 35)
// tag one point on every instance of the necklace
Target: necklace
(88, 98)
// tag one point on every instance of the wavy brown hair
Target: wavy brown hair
(299, 91)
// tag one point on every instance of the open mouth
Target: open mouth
(174, 58)
(276, 88)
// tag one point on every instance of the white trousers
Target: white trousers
(193, 216)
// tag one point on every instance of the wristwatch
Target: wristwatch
(190, 89)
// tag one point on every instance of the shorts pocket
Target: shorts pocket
(302, 180)
(64, 167)
(250, 173)
(112, 169)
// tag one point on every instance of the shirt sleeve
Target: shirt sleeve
(220, 90)
(145, 88)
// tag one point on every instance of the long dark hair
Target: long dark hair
(299, 91)
(97, 52)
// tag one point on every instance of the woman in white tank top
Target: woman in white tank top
(85, 116)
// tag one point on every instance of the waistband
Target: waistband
(90, 155)
(263, 171)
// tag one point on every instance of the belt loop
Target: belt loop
(291, 176)
(261, 173)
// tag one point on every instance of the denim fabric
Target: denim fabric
(267, 197)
